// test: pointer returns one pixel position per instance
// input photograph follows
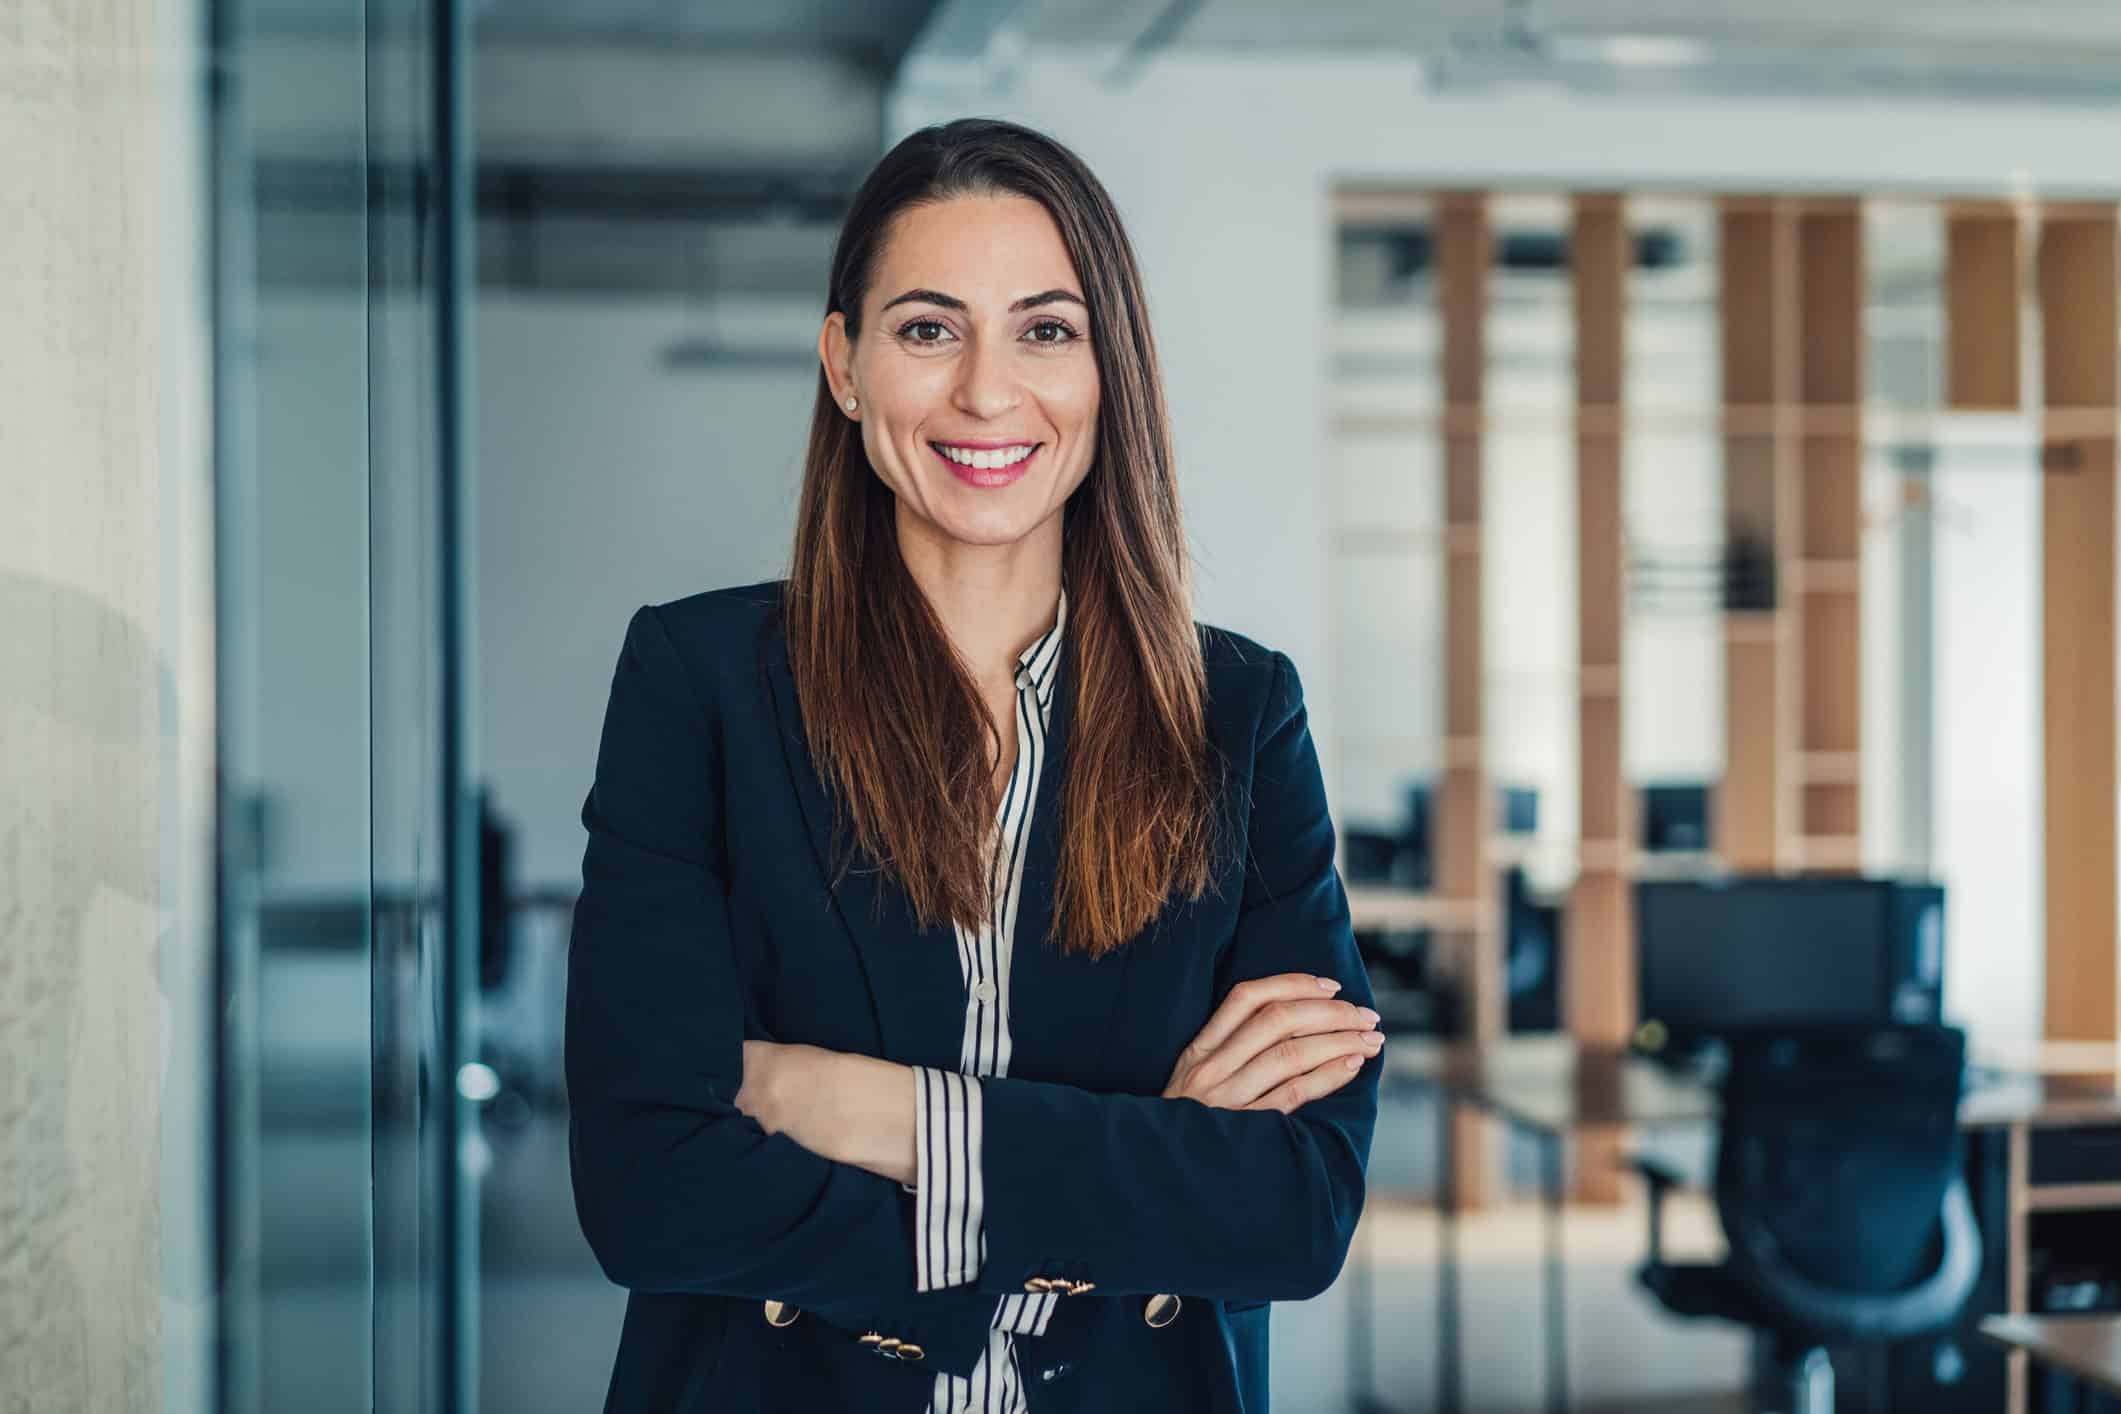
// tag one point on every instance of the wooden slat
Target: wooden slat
(1831, 634)
(1600, 976)
(1463, 803)
(1598, 262)
(2077, 585)
(2078, 290)
(1757, 256)
(1749, 814)
(1833, 495)
(1830, 245)
(1982, 260)
(1601, 555)
(1825, 598)
(1462, 246)
(2077, 313)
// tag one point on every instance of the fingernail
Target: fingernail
(1355, 1062)
(1373, 1039)
(1328, 984)
(1369, 1017)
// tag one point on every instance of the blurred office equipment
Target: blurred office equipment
(1715, 957)
(2039, 1127)
(1531, 960)
(1675, 816)
(1517, 810)
(1390, 873)
(1839, 1189)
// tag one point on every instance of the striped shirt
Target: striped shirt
(950, 1240)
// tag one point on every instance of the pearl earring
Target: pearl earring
(850, 405)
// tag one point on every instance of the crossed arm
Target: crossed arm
(1277, 1043)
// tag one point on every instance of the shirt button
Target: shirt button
(984, 991)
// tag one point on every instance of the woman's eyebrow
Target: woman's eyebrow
(952, 302)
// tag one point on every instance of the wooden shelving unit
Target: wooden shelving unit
(1792, 423)
(1792, 314)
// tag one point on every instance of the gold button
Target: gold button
(1080, 1287)
(889, 1346)
(780, 1313)
(871, 1337)
(1161, 1310)
(910, 1351)
(1041, 1284)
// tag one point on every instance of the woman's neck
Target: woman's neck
(994, 601)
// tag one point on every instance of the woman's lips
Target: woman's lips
(989, 477)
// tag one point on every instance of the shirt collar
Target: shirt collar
(1038, 666)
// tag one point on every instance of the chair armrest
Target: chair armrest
(1661, 1179)
(1661, 1176)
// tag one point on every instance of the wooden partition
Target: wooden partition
(1827, 586)
(1600, 972)
(2078, 363)
(1755, 814)
(1464, 803)
(1983, 255)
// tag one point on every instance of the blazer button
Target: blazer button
(780, 1313)
(1080, 1288)
(889, 1346)
(1042, 1284)
(1161, 1310)
(910, 1351)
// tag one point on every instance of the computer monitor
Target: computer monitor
(1718, 956)
(1675, 816)
(1517, 810)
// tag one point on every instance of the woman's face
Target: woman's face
(977, 388)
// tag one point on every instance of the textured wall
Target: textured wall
(82, 288)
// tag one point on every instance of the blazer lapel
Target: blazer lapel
(915, 981)
(1061, 1005)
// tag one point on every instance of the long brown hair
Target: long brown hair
(893, 717)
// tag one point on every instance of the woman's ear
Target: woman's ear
(834, 353)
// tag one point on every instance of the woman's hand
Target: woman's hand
(1276, 1043)
(848, 1108)
(763, 1094)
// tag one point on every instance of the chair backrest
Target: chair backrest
(1838, 1177)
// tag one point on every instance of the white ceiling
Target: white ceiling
(1425, 27)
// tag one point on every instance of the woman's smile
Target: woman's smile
(987, 464)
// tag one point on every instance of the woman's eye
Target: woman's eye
(906, 330)
(1061, 332)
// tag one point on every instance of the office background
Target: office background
(370, 360)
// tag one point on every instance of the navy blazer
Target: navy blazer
(705, 918)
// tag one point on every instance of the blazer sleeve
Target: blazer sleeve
(1144, 1194)
(676, 1189)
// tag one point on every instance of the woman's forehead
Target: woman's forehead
(979, 250)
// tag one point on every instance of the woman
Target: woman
(952, 1016)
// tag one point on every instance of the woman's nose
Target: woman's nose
(986, 388)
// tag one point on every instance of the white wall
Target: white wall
(606, 481)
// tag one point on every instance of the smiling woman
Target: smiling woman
(962, 1000)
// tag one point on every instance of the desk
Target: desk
(1549, 1087)
(2088, 1347)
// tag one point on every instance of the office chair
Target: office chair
(1839, 1187)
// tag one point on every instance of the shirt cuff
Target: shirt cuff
(1025, 1313)
(949, 1196)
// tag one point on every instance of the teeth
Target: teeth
(986, 461)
